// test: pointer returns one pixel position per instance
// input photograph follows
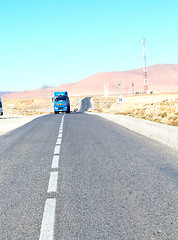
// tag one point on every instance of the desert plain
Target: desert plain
(161, 108)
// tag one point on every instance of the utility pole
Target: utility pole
(133, 88)
(44, 92)
(145, 67)
(119, 88)
(52, 90)
(106, 89)
(120, 98)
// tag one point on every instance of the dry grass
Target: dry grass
(26, 107)
(162, 108)
(164, 112)
(103, 104)
(29, 107)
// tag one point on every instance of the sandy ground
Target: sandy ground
(8, 123)
(129, 103)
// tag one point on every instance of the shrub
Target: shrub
(164, 114)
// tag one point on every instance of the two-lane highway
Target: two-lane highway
(107, 182)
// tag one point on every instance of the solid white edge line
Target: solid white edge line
(48, 221)
(55, 162)
(52, 187)
(57, 149)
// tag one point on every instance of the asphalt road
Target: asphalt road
(79, 176)
(85, 104)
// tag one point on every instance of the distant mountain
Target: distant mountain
(162, 78)
(3, 93)
(32, 94)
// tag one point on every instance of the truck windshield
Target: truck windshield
(59, 98)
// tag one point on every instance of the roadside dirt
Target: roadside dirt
(8, 123)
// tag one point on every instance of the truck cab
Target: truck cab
(1, 111)
(61, 102)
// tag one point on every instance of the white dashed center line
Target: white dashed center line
(57, 149)
(47, 225)
(58, 141)
(48, 221)
(55, 162)
(52, 187)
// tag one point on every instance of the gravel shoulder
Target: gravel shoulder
(165, 134)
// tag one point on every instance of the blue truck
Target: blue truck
(61, 102)
(1, 111)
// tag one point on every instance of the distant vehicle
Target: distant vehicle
(61, 102)
(1, 111)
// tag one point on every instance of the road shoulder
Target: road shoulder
(9, 123)
(165, 134)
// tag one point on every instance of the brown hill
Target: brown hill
(33, 94)
(162, 78)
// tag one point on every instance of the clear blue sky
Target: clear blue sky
(63, 41)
